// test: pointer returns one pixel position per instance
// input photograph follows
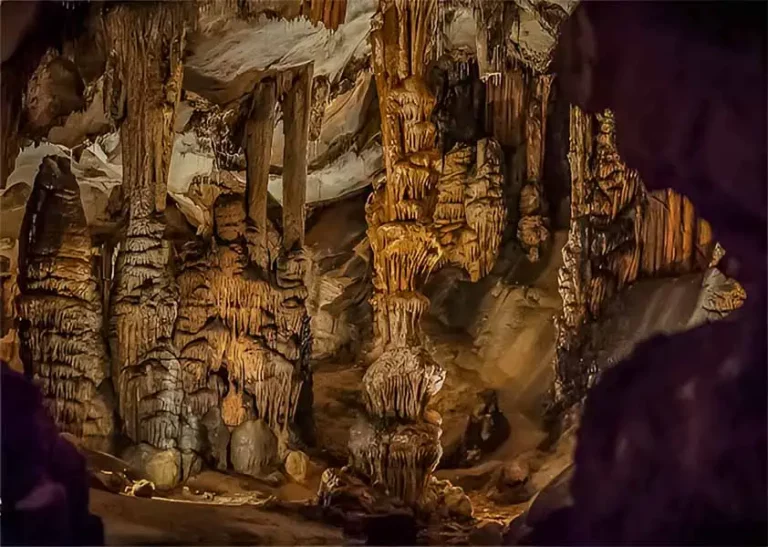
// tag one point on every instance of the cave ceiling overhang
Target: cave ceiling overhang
(230, 52)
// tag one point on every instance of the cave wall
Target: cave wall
(619, 233)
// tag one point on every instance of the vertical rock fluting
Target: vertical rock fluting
(242, 329)
(619, 232)
(401, 449)
(147, 41)
(533, 226)
(329, 12)
(60, 306)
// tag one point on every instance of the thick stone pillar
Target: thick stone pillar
(147, 41)
(258, 144)
(400, 447)
(533, 226)
(296, 111)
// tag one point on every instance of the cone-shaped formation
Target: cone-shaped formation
(59, 306)
(618, 233)
(145, 297)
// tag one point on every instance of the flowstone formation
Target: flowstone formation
(470, 214)
(619, 232)
(59, 306)
(243, 330)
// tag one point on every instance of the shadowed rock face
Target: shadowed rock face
(672, 444)
(44, 478)
(693, 121)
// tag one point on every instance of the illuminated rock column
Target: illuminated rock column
(147, 43)
(398, 449)
(533, 226)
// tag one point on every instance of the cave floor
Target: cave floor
(138, 521)
(279, 516)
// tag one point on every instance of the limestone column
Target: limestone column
(296, 111)
(147, 41)
(399, 448)
(533, 226)
(258, 144)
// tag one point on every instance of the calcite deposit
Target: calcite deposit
(367, 250)
(60, 307)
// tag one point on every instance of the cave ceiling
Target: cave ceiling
(232, 48)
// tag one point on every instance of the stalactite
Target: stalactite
(533, 226)
(331, 13)
(470, 214)
(60, 306)
(148, 43)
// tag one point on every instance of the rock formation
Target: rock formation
(242, 330)
(533, 226)
(406, 248)
(618, 233)
(60, 307)
(428, 211)
(144, 304)
(188, 147)
(694, 403)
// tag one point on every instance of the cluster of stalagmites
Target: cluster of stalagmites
(59, 306)
(619, 232)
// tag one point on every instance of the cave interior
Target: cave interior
(349, 271)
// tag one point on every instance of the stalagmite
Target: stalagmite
(60, 306)
(145, 297)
